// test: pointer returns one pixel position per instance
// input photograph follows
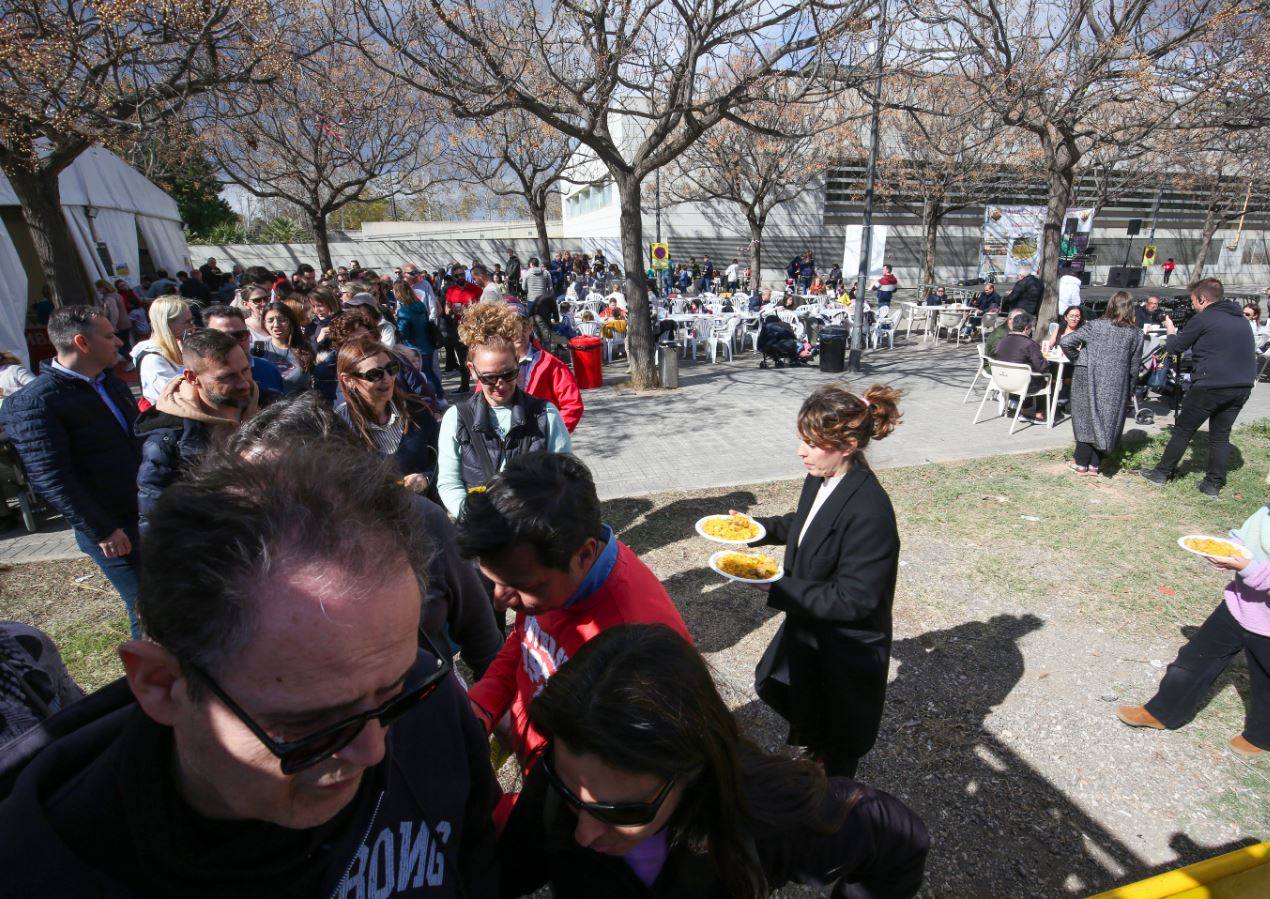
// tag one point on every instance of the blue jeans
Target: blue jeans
(428, 365)
(122, 572)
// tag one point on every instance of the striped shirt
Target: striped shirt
(386, 437)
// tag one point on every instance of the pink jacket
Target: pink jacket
(1248, 598)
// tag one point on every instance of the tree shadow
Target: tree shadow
(675, 520)
(1194, 461)
(620, 514)
(998, 826)
(718, 613)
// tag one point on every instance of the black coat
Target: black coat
(74, 451)
(1026, 295)
(825, 670)
(1222, 345)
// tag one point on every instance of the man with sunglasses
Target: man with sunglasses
(288, 735)
(537, 534)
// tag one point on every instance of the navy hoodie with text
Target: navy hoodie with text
(93, 814)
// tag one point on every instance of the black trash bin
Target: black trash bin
(833, 348)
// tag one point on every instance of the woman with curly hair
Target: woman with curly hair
(825, 671)
(500, 420)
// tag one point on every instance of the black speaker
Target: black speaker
(1135, 225)
(1124, 276)
(1071, 224)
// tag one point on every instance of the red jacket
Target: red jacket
(551, 380)
(539, 644)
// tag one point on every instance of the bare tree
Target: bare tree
(79, 73)
(513, 154)
(635, 82)
(326, 133)
(758, 171)
(1076, 74)
(945, 152)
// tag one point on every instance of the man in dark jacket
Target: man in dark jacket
(289, 736)
(72, 427)
(1018, 346)
(1225, 355)
(1026, 294)
(196, 412)
(513, 273)
(1149, 313)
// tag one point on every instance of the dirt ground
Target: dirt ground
(1030, 603)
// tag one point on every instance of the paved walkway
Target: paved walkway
(733, 423)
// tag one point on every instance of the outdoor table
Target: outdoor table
(932, 314)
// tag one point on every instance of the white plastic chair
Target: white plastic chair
(883, 329)
(720, 337)
(750, 331)
(950, 322)
(589, 329)
(612, 344)
(1009, 379)
(987, 325)
(983, 371)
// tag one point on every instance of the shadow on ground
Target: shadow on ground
(673, 521)
(998, 827)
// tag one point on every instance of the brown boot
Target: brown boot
(1248, 750)
(1138, 716)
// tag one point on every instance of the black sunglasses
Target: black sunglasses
(377, 374)
(493, 378)
(617, 814)
(297, 755)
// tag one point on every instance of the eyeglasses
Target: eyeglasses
(239, 335)
(492, 379)
(297, 755)
(618, 814)
(377, 374)
(1250, 315)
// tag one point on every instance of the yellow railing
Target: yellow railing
(1242, 874)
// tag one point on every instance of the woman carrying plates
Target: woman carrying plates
(825, 671)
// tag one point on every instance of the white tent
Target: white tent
(107, 201)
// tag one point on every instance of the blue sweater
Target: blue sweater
(412, 326)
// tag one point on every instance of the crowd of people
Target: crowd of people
(305, 531)
(302, 561)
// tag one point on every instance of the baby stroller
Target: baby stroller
(13, 484)
(778, 344)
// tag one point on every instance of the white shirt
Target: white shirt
(1068, 293)
(827, 487)
(12, 379)
(731, 273)
(491, 293)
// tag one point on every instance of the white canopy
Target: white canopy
(104, 200)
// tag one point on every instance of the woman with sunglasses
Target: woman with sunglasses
(500, 420)
(649, 789)
(287, 348)
(388, 420)
(158, 359)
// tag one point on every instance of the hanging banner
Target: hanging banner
(1148, 255)
(1012, 240)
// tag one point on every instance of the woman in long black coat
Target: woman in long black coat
(825, 671)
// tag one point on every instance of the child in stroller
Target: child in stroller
(779, 344)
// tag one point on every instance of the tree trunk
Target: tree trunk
(639, 324)
(756, 253)
(539, 212)
(1059, 181)
(932, 214)
(64, 273)
(317, 224)
(1211, 222)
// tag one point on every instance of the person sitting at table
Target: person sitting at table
(612, 312)
(1019, 347)
(567, 327)
(997, 334)
(938, 298)
(1068, 322)
(988, 300)
(1149, 313)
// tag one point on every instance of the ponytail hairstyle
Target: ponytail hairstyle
(640, 698)
(835, 417)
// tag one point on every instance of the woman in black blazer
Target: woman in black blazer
(825, 671)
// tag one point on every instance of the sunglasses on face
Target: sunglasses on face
(495, 378)
(297, 755)
(1249, 315)
(239, 335)
(377, 374)
(616, 814)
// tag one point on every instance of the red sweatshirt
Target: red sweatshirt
(539, 644)
(551, 380)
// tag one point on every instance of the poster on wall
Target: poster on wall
(1012, 240)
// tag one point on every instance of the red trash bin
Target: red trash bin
(588, 356)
